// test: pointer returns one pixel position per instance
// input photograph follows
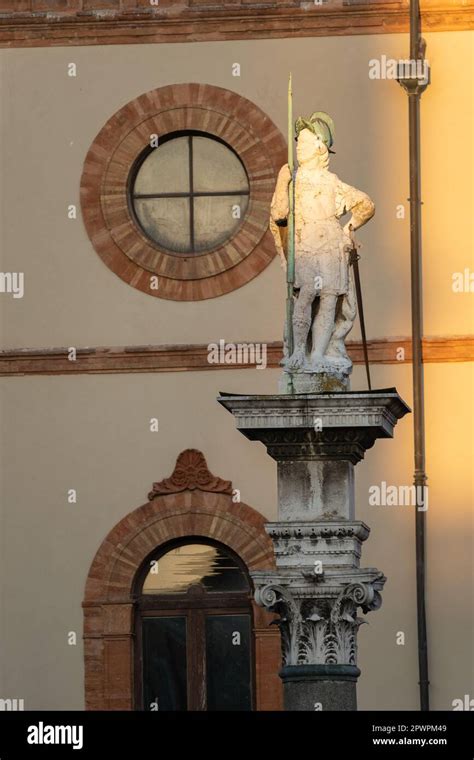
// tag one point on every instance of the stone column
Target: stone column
(319, 586)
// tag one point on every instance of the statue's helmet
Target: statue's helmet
(319, 123)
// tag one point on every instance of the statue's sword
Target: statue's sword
(354, 260)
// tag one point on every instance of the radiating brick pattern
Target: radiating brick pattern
(115, 235)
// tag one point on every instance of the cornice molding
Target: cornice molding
(232, 22)
(194, 358)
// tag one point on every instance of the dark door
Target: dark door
(194, 631)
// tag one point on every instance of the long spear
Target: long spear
(290, 259)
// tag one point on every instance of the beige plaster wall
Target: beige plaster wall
(48, 121)
(92, 434)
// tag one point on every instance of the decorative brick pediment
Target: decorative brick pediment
(190, 473)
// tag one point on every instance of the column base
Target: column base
(320, 687)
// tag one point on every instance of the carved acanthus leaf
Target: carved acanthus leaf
(191, 472)
(324, 630)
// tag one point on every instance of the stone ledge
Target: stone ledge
(348, 422)
(185, 358)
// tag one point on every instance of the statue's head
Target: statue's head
(311, 146)
(315, 137)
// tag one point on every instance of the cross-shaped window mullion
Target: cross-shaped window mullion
(191, 194)
(191, 191)
(196, 194)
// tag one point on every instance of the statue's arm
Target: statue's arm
(279, 207)
(279, 210)
(351, 200)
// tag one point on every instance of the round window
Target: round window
(189, 194)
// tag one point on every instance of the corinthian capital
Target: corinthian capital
(320, 629)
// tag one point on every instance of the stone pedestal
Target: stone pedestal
(319, 586)
(329, 379)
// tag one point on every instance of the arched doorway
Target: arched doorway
(191, 507)
(193, 633)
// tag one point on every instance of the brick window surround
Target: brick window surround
(118, 239)
(191, 503)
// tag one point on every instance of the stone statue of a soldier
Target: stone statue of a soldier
(325, 302)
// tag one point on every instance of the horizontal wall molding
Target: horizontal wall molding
(187, 21)
(193, 358)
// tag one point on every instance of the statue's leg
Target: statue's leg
(301, 326)
(323, 326)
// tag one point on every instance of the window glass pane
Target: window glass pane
(216, 167)
(181, 568)
(228, 662)
(164, 663)
(166, 221)
(165, 169)
(214, 220)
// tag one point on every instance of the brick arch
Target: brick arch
(192, 502)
